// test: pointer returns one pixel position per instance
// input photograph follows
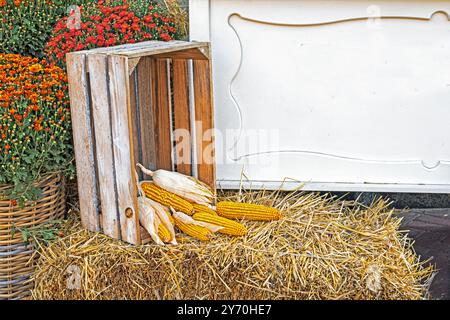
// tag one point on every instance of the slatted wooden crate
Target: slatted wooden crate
(126, 101)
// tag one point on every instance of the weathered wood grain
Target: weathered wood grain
(83, 141)
(147, 48)
(182, 126)
(122, 148)
(135, 123)
(196, 53)
(103, 146)
(146, 113)
(163, 123)
(156, 48)
(204, 117)
(124, 47)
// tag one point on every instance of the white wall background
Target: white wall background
(323, 93)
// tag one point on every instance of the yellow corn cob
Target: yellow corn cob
(197, 232)
(202, 208)
(230, 227)
(236, 210)
(163, 233)
(167, 198)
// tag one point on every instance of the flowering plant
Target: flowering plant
(108, 24)
(26, 25)
(35, 136)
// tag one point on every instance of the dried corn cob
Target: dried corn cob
(163, 233)
(182, 185)
(230, 227)
(200, 233)
(237, 210)
(202, 208)
(166, 198)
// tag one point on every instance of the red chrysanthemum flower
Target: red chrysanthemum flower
(107, 25)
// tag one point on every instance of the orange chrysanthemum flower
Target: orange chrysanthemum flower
(35, 68)
(35, 117)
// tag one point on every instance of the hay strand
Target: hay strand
(323, 248)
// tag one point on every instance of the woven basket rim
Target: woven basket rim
(46, 181)
(37, 183)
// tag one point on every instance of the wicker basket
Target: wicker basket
(17, 258)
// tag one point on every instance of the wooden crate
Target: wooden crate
(126, 101)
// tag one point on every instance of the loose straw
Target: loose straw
(323, 248)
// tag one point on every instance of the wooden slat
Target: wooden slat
(122, 148)
(135, 124)
(134, 51)
(146, 113)
(161, 105)
(103, 147)
(196, 53)
(126, 47)
(83, 141)
(148, 48)
(204, 118)
(181, 113)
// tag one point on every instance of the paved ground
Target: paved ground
(430, 228)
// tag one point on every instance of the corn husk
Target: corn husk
(148, 219)
(182, 185)
(162, 213)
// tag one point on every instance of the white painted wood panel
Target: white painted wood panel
(340, 95)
